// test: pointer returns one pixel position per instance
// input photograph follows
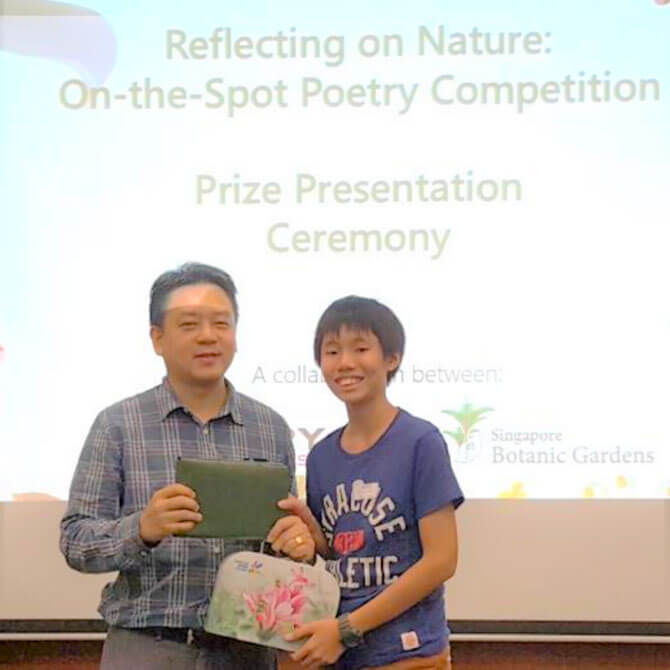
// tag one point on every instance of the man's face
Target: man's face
(197, 338)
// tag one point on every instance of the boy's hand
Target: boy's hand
(323, 647)
(172, 509)
(291, 536)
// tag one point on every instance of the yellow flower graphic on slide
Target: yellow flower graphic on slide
(516, 491)
(599, 490)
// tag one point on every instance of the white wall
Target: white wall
(519, 560)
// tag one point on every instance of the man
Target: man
(124, 507)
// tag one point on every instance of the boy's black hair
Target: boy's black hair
(364, 314)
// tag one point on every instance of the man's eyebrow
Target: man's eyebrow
(193, 311)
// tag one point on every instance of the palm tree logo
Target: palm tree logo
(464, 436)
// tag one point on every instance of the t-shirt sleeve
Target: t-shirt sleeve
(435, 485)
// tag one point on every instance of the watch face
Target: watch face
(350, 638)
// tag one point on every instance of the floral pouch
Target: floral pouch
(260, 598)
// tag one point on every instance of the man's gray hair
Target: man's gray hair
(186, 275)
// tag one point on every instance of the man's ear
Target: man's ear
(156, 334)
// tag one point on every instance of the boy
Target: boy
(384, 492)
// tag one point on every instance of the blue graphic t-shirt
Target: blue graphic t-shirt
(369, 506)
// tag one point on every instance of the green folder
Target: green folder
(238, 499)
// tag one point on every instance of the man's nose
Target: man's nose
(206, 332)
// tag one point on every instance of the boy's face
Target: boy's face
(354, 366)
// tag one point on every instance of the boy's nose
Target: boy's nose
(345, 361)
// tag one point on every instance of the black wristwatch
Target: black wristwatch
(349, 636)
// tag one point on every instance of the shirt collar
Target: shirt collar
(168, 402)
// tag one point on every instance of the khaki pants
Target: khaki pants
(438, 662)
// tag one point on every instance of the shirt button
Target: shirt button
(205, 431)
(217, 549)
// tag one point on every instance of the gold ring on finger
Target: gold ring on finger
(298, 540)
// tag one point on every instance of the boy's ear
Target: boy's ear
(394, 361)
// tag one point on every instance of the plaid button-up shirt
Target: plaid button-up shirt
(130, 453)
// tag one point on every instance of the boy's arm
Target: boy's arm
(439, 540)
(438, 563)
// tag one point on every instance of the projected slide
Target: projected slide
(496, 172)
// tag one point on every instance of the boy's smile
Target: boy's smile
(354, 366)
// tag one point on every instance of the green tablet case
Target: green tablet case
(238, 499)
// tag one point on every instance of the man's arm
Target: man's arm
(94, 535)
(290, 535)
(299, 508)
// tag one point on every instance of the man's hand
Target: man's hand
(323, 647)
(172, 509)
(291, 536)
(300, 509)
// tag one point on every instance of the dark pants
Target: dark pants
(127, 649)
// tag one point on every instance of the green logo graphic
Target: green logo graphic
(464, 436)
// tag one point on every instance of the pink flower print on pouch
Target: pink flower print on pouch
(259, 598)
(279, 609)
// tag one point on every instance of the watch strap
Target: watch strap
(349, 636)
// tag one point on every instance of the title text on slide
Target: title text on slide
(309, 189)
(224, 44)
(446, 90)
(282, 239)
(233, 95)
